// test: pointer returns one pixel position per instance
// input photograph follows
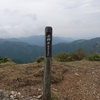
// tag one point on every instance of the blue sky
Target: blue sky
(68, 18)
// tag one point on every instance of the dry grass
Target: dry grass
(70, 80)
(17, 76)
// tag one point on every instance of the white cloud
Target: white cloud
(70, 18)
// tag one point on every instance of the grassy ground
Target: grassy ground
(78, 80)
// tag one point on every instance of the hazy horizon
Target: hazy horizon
(87, 38)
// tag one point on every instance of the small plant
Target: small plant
(57, 78)
(94, 57)
(40, 59)
(55, 97)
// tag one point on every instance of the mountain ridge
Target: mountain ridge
(24, 52)
(38, 40)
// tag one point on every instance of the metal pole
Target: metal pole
(47, 67)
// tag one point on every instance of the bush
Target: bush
(62, 57)
(3, 60)
(94, 57)
(80, 54)
(72, 56)
(40, 59)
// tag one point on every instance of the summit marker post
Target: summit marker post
(48, 61)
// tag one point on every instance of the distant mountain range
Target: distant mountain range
(38, 40)
(89, 46)
(22, 52)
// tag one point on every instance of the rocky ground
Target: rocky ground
(79, 80)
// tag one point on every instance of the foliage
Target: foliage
(72, 56)
(40, 59)
(94, 57)
(80, 54)
(5, 59)
(62, 57)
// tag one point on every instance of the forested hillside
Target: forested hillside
(23, 52)
(20, 52)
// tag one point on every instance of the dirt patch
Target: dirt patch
(82, 82)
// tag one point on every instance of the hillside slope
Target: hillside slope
(89, 46)
(20, 52)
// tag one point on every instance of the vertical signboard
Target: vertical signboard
(48, 44)
(47, 66)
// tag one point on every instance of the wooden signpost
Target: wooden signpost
(47, 67)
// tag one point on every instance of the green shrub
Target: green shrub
(72, 56)
(40, 59)
(62, 57)
(3, 60)
(94, 57)
(80, 54)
